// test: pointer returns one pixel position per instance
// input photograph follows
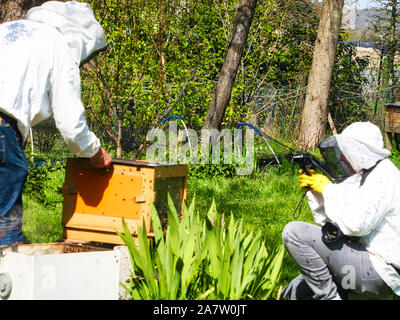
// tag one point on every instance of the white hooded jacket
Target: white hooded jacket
(39, 69)
(371, 210)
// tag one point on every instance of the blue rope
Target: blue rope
(251, 126)
(162, 122)
(262, 136)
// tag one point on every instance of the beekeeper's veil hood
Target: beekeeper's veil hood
(77, 23)
(362, 145)
(359, 147)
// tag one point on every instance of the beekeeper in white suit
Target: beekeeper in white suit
(40, 58)
(356, 247)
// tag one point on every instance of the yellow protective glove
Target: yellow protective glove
(314, 181)
(309, 172)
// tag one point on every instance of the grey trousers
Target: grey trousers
(326, 270)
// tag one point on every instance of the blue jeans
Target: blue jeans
(13, 172)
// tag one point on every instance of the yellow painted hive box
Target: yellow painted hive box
(96, 200)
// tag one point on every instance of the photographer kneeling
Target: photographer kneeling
(356, 247)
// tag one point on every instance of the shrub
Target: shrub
(38, 180)
(198, 258)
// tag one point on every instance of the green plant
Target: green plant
(201, 259)
(36, 181)
(165, 269)
(38, 178)
(238, 263)
(211, 170)
(220, 167)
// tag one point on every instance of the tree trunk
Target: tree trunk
(392, 46)
(16, 9)
(230, 66)
(314, 116)
(119, 138)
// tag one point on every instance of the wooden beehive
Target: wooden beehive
(392, 117)
(96, 200)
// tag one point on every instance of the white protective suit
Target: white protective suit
(370, 210)
(39, 69)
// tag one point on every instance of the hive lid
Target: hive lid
(393, 104)
(141, 163)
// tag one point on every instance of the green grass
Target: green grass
(42, 221)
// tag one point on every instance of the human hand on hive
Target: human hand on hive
(101, 159)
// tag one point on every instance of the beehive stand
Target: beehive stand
(96, 200)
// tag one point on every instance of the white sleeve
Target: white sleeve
(67, 106)
(316, 203)
(357, 210)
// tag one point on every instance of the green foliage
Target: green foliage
(38, 179)
(346, 101)
(45, 136)
(395, 152)
(211, 170)
(155, 47)
(201, 259)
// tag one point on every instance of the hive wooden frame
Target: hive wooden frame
(89, 222)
